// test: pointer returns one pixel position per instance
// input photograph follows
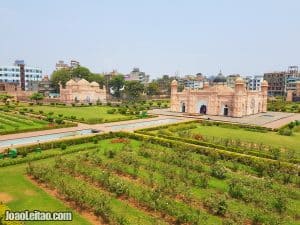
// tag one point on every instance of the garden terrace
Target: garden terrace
(251, 140)
(153, 180)
(16, 123)
(85, 113)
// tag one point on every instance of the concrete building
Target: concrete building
(45, 87)
(220, 99)
(62, 65)
(20, 74)
(254, 82)
(82, 91)
(282, 82)
(276, 81)
(137, 75)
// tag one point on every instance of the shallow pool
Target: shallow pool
(42, 138)
(144, 124)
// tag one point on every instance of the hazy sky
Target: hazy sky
(158, 36)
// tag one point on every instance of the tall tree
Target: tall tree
(60, 76)
(116, 84)
(152, 88)
(133, 90)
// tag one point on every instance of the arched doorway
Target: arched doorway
(226, 110)
(203, 109)
(183, 107)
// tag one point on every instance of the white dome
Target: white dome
(94, 84)
(83, 82)
(71, 82)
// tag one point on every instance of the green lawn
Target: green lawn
(10, 123)
(89, 114)
(25, 195)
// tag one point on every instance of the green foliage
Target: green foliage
(116, 84)
(37, 97)
(216, 204)
(133, 90)
(218, 171)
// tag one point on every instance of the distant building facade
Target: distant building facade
(20, 74)
(82, 91)
(254, 82)
(62, 65)
(137, 75)
(220, 99)
(45, 87)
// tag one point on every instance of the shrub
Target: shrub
(217, 205)
(111, 111)
(280, 204)
(73, 104)
(218, 171)
(285, 132)
(63, 146)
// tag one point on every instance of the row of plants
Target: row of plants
(177, 183)
(257, 163)
(152, 199)
(233, 145)
(84, 195)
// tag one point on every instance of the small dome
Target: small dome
(83, 82)
(239, 80)
(264, 83)
(174, 82)
(220, 78)
(71, 82)
(94, 84)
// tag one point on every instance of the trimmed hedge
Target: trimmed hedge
(212, 145)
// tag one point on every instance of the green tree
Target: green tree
(37, 97)
(60, 76)
(133, 90)
(116, 84)
(153, 88)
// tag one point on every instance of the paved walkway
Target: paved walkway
(129, 125)
(268, 119)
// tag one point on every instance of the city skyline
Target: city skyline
(159, 37)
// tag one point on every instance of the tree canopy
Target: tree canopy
(116, 84)
(63, 75)
(37, 96)
(133, 90)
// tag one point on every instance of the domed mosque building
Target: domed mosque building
(82, 91)
(219, 99)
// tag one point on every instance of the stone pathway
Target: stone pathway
(268, 119)
(129, 125)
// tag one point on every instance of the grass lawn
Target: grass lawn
(89, 114)
(270, 138)
(10, 123)
(25, 195)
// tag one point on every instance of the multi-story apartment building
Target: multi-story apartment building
(253, 83)
(20, 74)
(276, 82)
(62, 65)
(282, 82)
(292, 76)
(137, 75)
(191, 81)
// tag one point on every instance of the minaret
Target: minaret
(174, 103)
(239, 95)
(264, 92)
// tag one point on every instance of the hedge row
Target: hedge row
(212, 145)
(253, 161)
(249, 160)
